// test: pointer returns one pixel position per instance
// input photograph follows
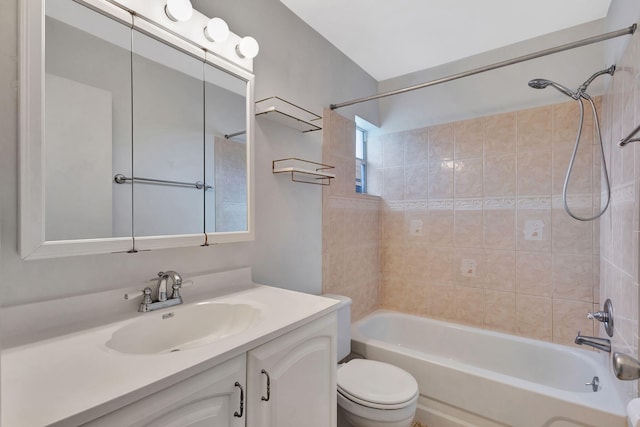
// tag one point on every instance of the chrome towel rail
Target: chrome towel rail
(121, 179)
(630, 137)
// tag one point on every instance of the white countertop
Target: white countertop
(74, 378)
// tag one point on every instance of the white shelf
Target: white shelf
(304, 171)
(288, 114)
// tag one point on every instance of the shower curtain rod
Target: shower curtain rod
(567, 46)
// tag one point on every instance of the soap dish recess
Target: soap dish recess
(288, 114)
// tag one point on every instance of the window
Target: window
(361, 160)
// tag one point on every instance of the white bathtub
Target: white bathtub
(473, 377)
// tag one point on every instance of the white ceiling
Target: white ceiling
(390, 38)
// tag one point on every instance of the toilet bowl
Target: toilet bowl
(376, 394)
(370, 393)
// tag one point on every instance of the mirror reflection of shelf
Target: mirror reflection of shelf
(304, 171)
(288, 114)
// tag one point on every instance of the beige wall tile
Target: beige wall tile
(440, 266)
(500, 229)
(500, 134)
(468, 177)
(393, 150)
(533, 273)
(440, 179)
(534, 173)
(534, 129)
(500, 175)
(469, 267)
(468, 229)
(392, 226)
(534, 317)
(416, 182)
(442, 302)
(500, 270)
(469, 306)
(534, 231)
(416, 147)
(569, 235)
(440, 227)
(469, 138)
(500, 311)
(572, 277)
(393, 183)
(441, 142)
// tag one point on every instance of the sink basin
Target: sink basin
(183, 328)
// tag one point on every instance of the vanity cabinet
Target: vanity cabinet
(291, 380)
(210, 399)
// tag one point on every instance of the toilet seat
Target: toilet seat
(376, 384)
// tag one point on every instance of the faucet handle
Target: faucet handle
(176, 290)
(600, 316)
(146, 292)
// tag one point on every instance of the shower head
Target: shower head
(543, 83)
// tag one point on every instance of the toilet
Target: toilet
(370, 393)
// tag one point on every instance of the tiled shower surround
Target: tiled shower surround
(472, 224)
(620, 225)
(350, 223)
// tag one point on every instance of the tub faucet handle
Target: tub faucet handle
(605, 316)
(600, 316)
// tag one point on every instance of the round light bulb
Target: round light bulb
(216, 30)
(178, 10)
(247, 48)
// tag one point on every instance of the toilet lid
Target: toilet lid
(376, 382)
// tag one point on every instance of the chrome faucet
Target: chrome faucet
(600, 343)
(148, 304)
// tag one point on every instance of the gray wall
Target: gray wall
(294, 63)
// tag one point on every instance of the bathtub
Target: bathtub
(473, 377)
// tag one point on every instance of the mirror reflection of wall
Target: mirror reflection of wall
(87, 131)
(168, 138)
(225, 151)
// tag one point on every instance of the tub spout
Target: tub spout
(595, 342)
(625, 367)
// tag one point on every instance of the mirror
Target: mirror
(225, 152)
(87, 126)
(168, 140)
(143, 141)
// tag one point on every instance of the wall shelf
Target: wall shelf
(304, 171)
(288, 114)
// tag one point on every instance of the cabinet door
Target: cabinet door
(209, 399)
(292, 379)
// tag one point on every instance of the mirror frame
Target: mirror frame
(31, 139)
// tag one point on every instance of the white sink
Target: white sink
(183, 328)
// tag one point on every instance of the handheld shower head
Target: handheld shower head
(543, 83)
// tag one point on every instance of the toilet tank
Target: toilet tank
(344, 325)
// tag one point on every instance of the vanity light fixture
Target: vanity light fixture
(178, 10)
(216, 30)
(247, 48)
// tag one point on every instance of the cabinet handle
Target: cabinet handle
(236, 414)
(266, 399)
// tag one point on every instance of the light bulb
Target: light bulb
(216, 30)
(247, 48)
(178, 10)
